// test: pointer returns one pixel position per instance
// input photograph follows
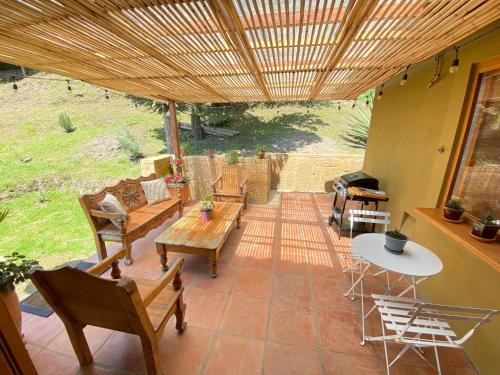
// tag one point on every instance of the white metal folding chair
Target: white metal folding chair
(358, 265)
(418, 324)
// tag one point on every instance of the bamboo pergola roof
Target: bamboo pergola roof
(234, 50)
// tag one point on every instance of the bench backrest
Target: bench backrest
(128, 191)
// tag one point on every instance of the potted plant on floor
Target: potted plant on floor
(261, 152)
(207, 209)
(179, 180)
(453, 210)
(13, 270)
(395, 241)
(486, 229)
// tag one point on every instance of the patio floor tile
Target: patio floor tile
(246, 316)
(291, 288)
(284, 359)
(254, 283)
(206, 307)
(292, 323)
(46, 362)
(235, 355)
(185, 354)
(121, 351)
(340, 364)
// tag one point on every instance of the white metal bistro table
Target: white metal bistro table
(416, 262)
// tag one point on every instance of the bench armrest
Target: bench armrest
(120, 218)
(216, 181)
(173, 272)
(106, 263)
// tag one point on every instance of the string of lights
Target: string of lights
(454, 67)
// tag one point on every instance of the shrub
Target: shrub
(232, 157)
(130, 144)
(65, 123)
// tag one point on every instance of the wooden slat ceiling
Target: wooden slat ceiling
(234, 50)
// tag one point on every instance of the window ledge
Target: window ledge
(488, 252)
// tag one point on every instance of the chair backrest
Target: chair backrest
(410, 317)
(373, 217)
(232, 176)
(79, 297)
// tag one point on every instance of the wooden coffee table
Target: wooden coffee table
(189, 235)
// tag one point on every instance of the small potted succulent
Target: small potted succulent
(395, 241)
(232, 157)
(261, 152)
(207, 209)
(487, 228)
(453, 210)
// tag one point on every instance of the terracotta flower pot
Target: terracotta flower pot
(11, 300)
(261, 155)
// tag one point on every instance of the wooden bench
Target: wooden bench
(141, 219)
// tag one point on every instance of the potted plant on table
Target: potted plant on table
(453, 210)
(261, 152)
(395, 241)
(486, 229)
(207, 209)
(13, 270)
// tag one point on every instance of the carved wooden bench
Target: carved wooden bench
(141, 219)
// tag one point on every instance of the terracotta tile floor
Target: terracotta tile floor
(275, 308)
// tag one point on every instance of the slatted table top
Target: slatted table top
(192, 232)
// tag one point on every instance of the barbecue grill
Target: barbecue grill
(366, 193)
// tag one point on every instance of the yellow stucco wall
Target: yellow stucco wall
(408, 126)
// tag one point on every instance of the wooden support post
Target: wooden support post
(174, 129)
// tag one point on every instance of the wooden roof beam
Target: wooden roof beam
(354, 21)
(236, 33)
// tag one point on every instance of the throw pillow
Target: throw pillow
(111, 204)
(155, 191)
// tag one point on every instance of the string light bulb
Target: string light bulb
(107, 96)
(455, 63)
(14, 85)
(354, 104)
(380, 93)
(339, 106)
(367, 103)
(69, 86)
(404, 80)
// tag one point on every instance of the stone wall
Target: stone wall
(310, 172)
(284, 172)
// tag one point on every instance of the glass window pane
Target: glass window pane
(478, 179)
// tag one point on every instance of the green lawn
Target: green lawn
(46, 221)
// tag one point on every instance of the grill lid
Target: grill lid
(359, 179)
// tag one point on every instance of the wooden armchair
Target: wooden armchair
(231, 185)
(80, 298)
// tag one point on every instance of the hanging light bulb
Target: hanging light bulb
(69, 86)
(353, 104)
(135, 105)
(14, 85)
(454, 64)
(380, 93)
(339, 106)
(404, 80)
(107, 96)
(367, 103)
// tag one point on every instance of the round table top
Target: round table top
(416, 259)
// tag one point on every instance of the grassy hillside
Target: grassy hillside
(46, 221)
